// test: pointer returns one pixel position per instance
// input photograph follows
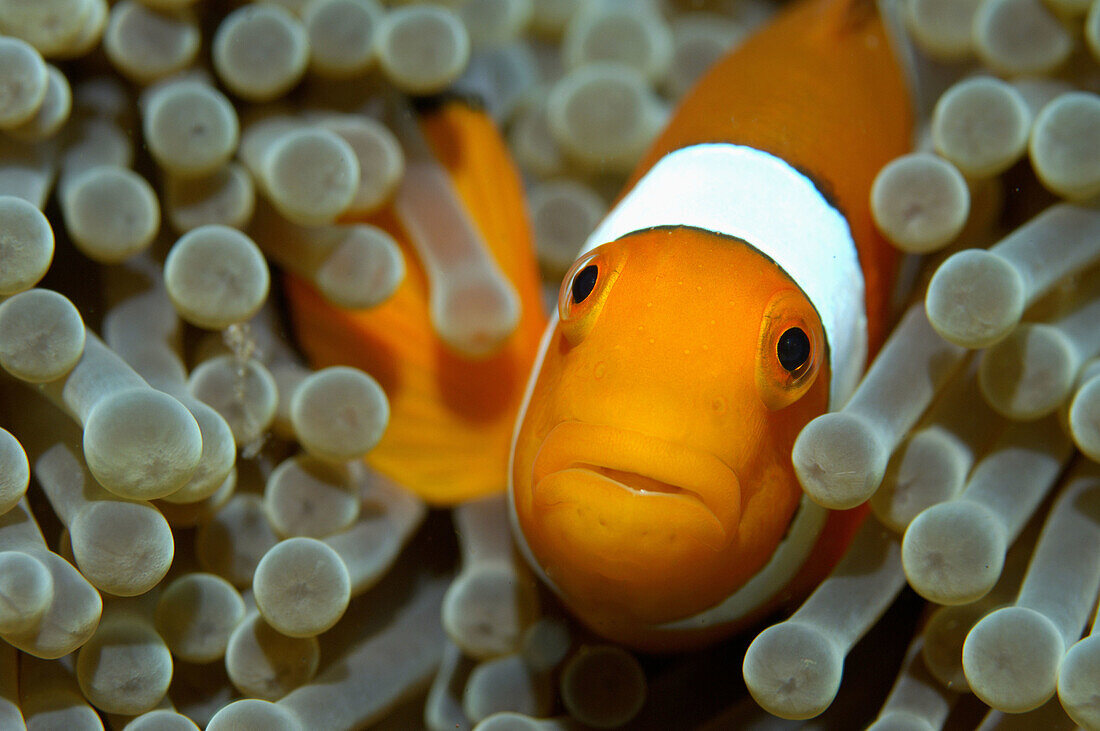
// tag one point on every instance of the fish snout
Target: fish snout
(640, 481)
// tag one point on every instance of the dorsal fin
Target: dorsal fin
(925, 79)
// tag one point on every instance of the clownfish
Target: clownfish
(733, 293)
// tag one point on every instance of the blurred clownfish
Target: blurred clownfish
(451, 415)
(733, 294)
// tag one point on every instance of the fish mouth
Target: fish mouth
(645, 467)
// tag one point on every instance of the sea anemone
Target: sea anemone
(189, 534)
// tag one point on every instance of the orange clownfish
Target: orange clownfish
(730, 296)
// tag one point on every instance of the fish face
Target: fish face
(651, 476)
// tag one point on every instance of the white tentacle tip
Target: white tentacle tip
(975, 299)
(839, 460)
(793, 671)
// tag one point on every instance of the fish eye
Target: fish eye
(584, 282)
(793, 349)
(584, 290)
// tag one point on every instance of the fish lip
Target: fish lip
(692, 474)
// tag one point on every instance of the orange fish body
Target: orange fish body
(732, 295)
